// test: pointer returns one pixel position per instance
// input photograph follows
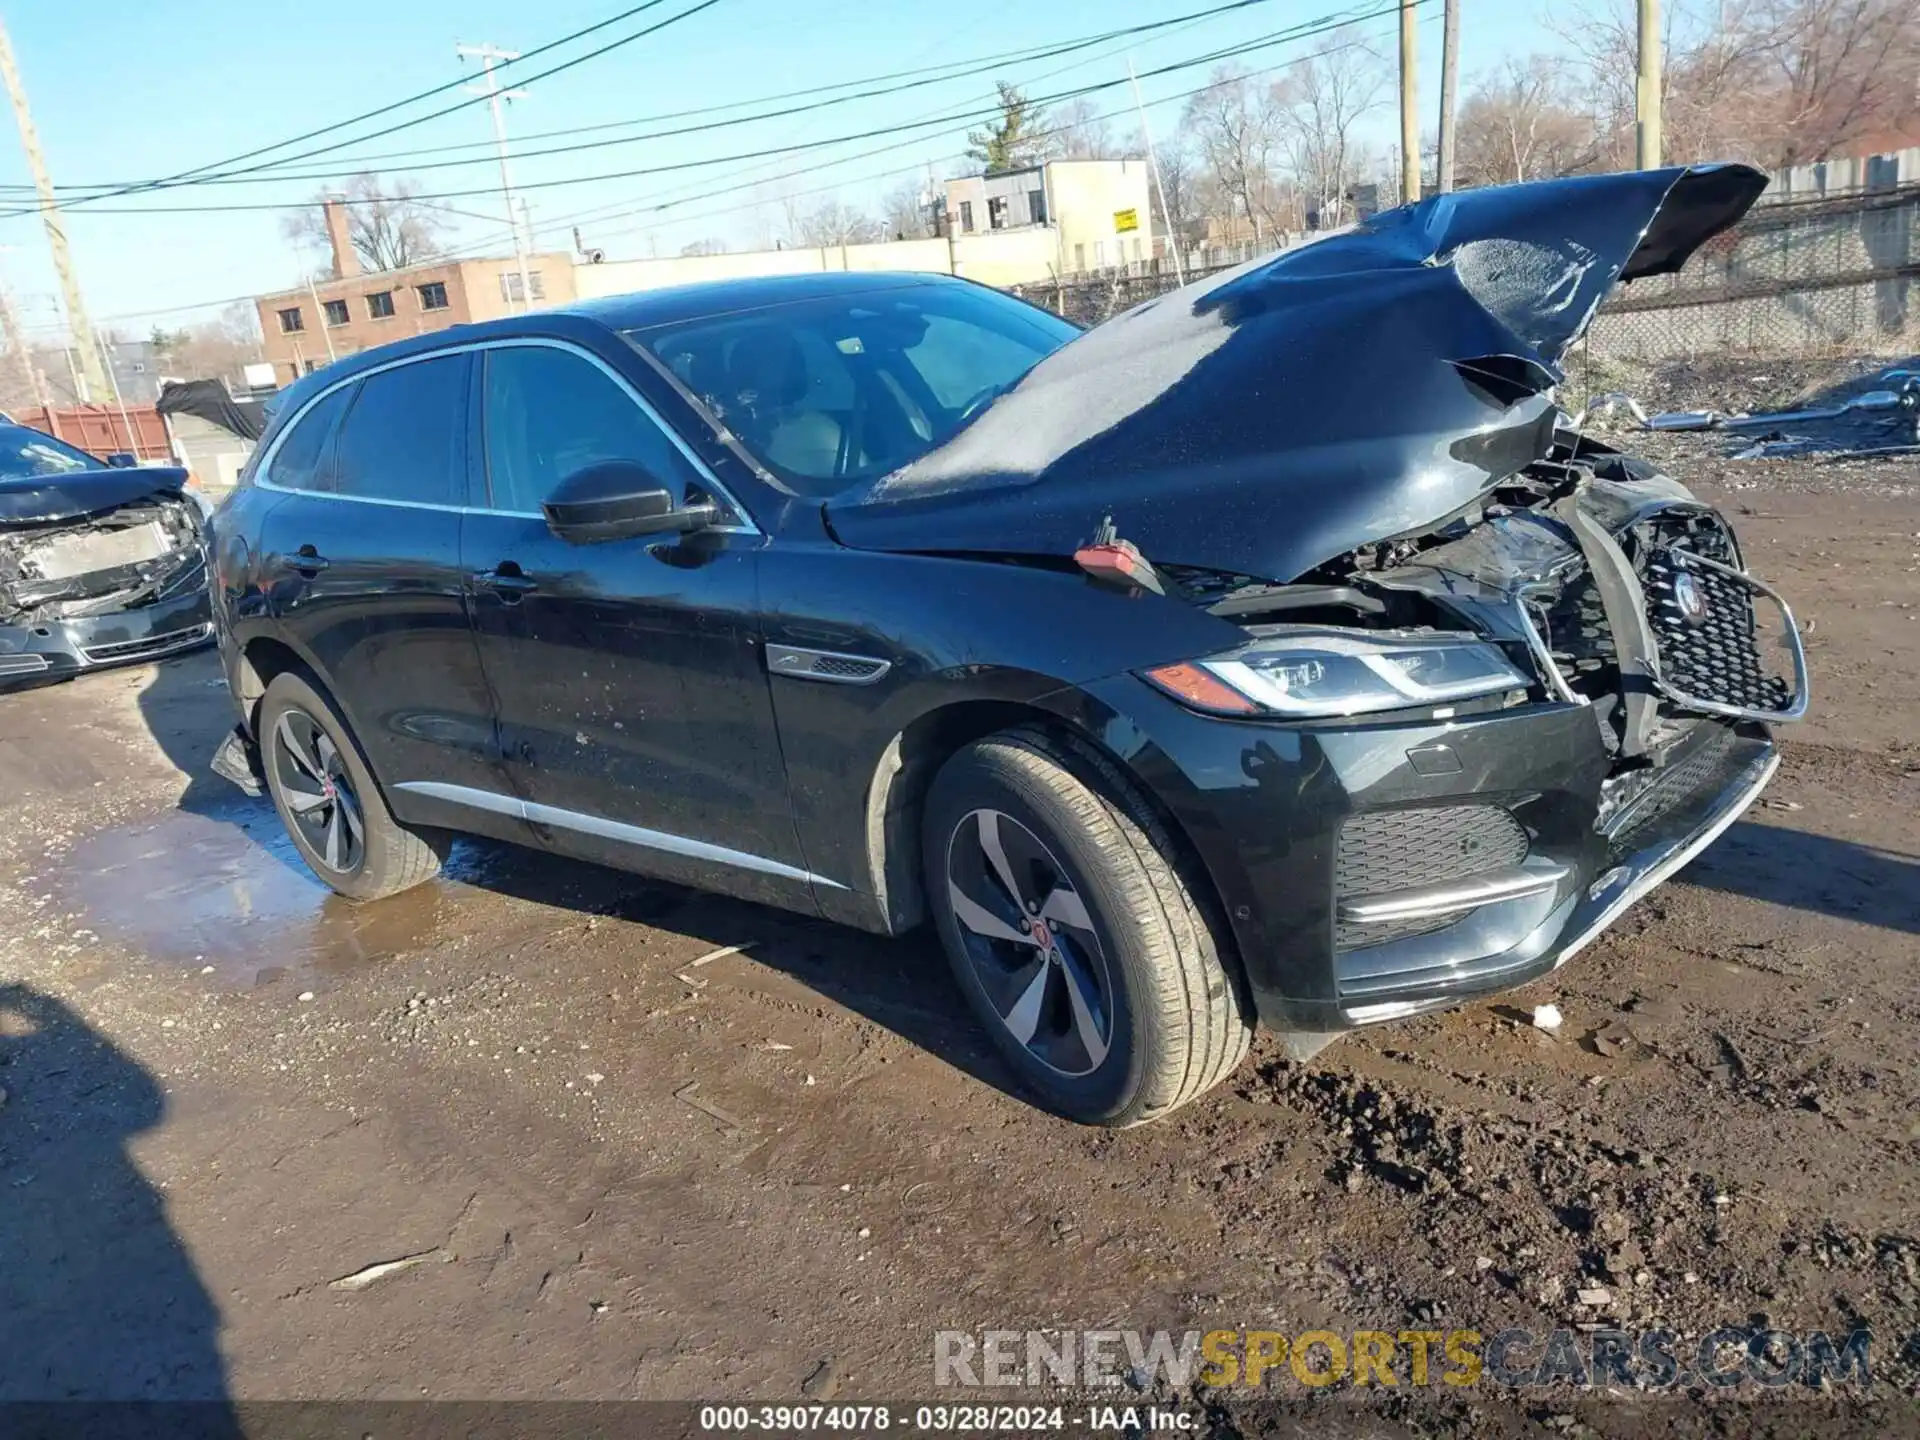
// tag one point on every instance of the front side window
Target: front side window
(336, 312)
(550, 413)
(402, 438)
(825, 393)
(380, 304)
(300, 462)
(433, 295)
(290, 321)
(28, 454)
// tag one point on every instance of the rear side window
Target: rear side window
(402, 438)
(299, 463)
(550, 412)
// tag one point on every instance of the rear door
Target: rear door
(366, 551)
(632, 701)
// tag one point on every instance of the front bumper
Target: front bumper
(1271, 810)
(56, 649)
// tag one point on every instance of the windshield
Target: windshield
(825, 393)
(27, 455)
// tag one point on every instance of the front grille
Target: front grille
(1709, 650)
(1637, 800)
(149, 646)
(1387, 851)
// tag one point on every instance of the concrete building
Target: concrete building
(306, 327)
(1099, 211)
(1016, 257)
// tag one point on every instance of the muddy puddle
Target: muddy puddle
(225, 888)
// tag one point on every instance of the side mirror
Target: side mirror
(123, 460)
(615, 500)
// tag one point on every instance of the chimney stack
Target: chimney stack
(346, 264)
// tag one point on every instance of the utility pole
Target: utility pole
(16, 339)
(1449, 82)
(1647, 95)
(1173, 235)
(489, 56)
(1409, 108)
(50, 217)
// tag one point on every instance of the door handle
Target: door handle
(309, 561)
(507, 580)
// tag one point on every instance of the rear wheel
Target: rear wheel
(1061, 902)
(328, 801)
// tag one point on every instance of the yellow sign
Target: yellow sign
(1125, 220)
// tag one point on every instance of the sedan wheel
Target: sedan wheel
(1030, 941)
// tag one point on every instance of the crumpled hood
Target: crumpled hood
(39, 499)
(1270, 418)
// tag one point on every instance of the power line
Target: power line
(910, 80)
(1304, 31)
(197, 177)
(655, 207)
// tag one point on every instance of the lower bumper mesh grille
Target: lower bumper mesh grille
(1387, 851)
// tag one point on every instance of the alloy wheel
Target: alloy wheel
(318, 793)
(1030, 941)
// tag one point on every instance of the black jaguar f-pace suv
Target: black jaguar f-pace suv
(1278, 651)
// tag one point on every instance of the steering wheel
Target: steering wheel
(981, 400)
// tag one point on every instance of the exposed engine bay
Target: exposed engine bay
(1628, 594)
(118, 559)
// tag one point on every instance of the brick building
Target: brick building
(358, 310)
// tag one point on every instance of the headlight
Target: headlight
(1340, 672)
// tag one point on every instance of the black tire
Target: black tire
(300, 732)
(1176, 1022)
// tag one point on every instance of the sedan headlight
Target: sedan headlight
(1307, 673)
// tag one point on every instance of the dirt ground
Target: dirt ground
(625, 1168)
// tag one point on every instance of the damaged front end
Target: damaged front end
(1587, 585)
(123, 583)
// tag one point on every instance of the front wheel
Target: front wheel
(328, 801)
(1063, 909)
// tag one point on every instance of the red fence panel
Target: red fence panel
(102, 429)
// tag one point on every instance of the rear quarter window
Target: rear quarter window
(298, 462)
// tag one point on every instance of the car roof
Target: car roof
(639, 310)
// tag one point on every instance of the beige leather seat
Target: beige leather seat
(767, 373)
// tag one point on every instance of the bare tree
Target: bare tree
(906, 217)
(1235, 135)
(215, 349)
(1523, 122)
(834, 223)
(388, 228)
(1178, 180)
(1319, 103)
(1773, 82)
(1078, 131)
(708, 246)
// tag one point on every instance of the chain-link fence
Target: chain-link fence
(1837, 274)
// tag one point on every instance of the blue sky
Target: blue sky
(126, 91)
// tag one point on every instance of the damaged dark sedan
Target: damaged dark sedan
(1277, 652)
(99, 564)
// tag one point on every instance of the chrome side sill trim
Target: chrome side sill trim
(615, 830)
(1449, 896)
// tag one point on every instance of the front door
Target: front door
(369, 585)
(631, 699)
